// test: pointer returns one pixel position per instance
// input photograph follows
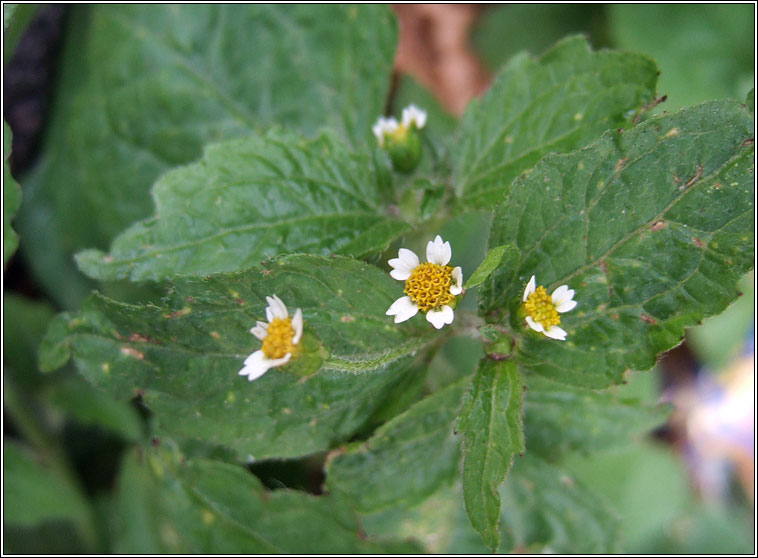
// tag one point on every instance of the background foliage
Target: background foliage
(199, 158)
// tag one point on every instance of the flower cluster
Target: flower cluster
(413, 117)
(542, 310)
(431, 287)
(401, 139)
(280, 337)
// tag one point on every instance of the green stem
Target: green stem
(373, 361)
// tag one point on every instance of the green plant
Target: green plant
(250, 127)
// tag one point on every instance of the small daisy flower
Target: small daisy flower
(401, 140)
(431, 287)
(542, 310)
(280, 337)
(413, 116)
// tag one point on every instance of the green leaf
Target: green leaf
(559, 418)
(91, 407)
(144, 87)
(11, 198)
(383, 471)
(499, 256)
(558, 102)
(411, 388)
(708, 54)
(9, 11)
(25, 322)
(16, 18)
(249, 199)
(491, 423)
(35, 493)
(203, 506)
(750, 101)
(439, 522)
(55, 347)
(547, 510)
(183, 357)
(544, 509)
(652, 227)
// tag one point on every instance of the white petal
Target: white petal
(438, 252)
(414, 115)
(400, 274)
(562, 294)
(256, 365)
(252, 358)
(556, 333)
(277, 307)
(280, 361)
(404, 264)
(565, 306)
(297, 325)
(559, 294)
(420, 119)
(403, 309)
(408, 258)
(457, 287)
(439, 318)
(378, 130)
(531, 286)
(408, 116)
(260, 330)
(536, 326)
(383, 127)
(253, 373)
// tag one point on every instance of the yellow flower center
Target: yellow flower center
(278, 341)
(539, 305)
(400, 133)
(429, 286)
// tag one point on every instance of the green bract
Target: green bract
(219, 155)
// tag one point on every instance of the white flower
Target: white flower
(430, 287)
(413, 115)
(384, 126)
(542, 310)
(280, 337)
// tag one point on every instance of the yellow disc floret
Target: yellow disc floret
(400, 133)
(278, 340)
(540, 307)
(429, 286)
